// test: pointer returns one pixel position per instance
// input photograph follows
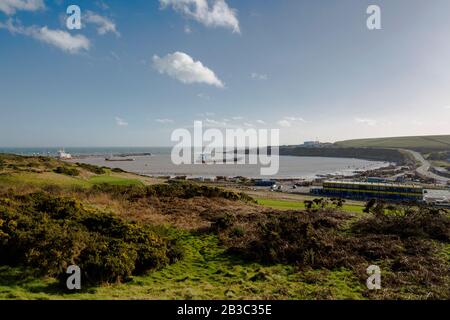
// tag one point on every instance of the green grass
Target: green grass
(114, 180)
(41, 179)
(443, 164)
(441, 142)
(205, 272)
(295, 205)
(46, 178)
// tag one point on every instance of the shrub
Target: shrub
(49, 233)
(91, 168)
(292, 238)
(237, 232)
(222, 222)
(405, 221)
(171, 190)
(127, 192)
(67, 171)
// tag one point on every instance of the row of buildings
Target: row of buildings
(387, 191)
(369, 190)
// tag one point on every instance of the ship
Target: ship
(62, 155)
(118, 158)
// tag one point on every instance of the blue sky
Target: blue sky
(139, 69)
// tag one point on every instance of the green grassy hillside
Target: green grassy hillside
(420, 143)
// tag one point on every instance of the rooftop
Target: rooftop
(398, 185)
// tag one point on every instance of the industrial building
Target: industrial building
(367, 190)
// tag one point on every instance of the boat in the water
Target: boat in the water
(62, 155)
(119, 158)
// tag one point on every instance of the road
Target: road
(424, 169)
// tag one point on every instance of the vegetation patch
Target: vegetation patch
(403, 244)
(49, 233)
(172, 190)
(67, 171)
(92, 168)
(114, 181)
(225, 247)
(418, 143)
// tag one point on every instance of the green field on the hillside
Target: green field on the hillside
(51, 178)
(295, 205)
(441, 142)
(114, 180)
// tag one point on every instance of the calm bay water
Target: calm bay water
(87, 151)
(160, 164)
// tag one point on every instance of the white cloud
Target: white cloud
(417, 123)
(260, 122)
(114, 55)
(102, 5)
(369, 122)
(257, 76)
(55, 37)
(447, 107)
(203, 96)
(187, 29)
(284, 123)
(211, 122)
(287, 122)
(237, 118)
(10, 7)
(104, 24)
(182, 67)
(206, 114)
(248, 124)
(295, 119)
(164, 121)
(120, 122)
(211, 13)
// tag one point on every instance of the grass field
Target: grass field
(46, 178)
(415, 143)
(38, 172)
(114, 180)
(296, 205)
(206, 272)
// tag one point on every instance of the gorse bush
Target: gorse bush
(171, 190)
(405, 221)
(296, 238)
(50, 233)
(67, 171)
(92, 168)
(404, 244)
(292, 238)
(318, 204)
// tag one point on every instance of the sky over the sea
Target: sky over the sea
(139, 69)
